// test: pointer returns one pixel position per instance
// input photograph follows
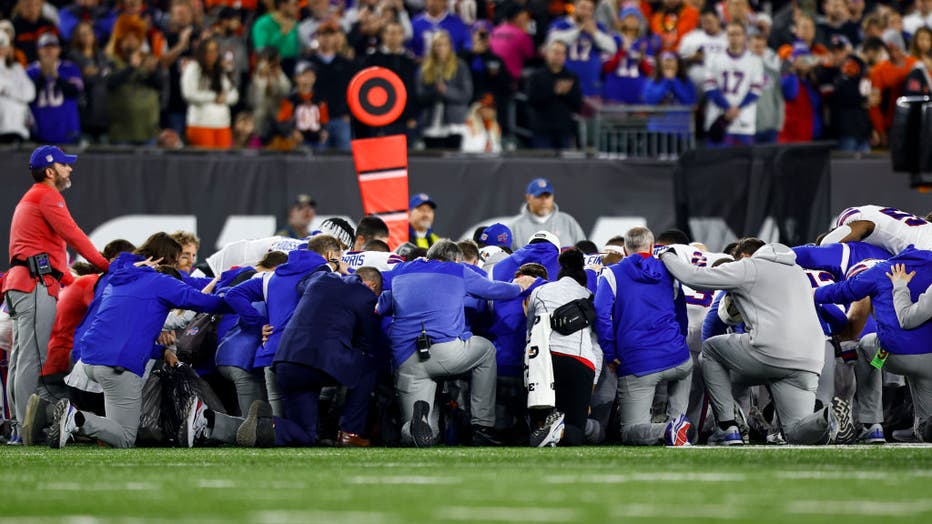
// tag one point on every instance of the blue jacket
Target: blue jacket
(641, 316)
(874, 283)
(239, 343)
(132, 311)
(543, 253)
(713, 326)
(837, 259)
(432, 294)
(284, 292)
(122, 260)
(334, 328)
(478, 316)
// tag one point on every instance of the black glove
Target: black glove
(665, 251)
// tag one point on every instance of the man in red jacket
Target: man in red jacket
(40, 232)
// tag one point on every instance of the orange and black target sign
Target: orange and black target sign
(376, 96)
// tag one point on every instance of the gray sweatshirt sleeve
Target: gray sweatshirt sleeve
(911, 315)
(727, 276)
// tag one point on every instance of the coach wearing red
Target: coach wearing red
(41, 230)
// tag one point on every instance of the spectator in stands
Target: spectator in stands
(233, 52)
(873, 26)
(554, 97)
(366, 30)
(18, 56)
(669, 85)
(918, 82)
(586, 42)
(510, 39)
(487, 69)
(133, 87)
(300, 215)
(803, 120)
(100, 17)
(393, 55)
(921, 17)
(182, 38)
(435, 18)
(269, 85)
(444, 89)
(244, 132)
(421, 221)
(16, 91)
(806, 36)
(672, 21)
(629, 69)
(385, 11)
(887, 80)
(209, 92)
(837, 21)
(29, 23)
(732, 85)
(302, 116)
(318, 13)
(848, 100)
(770, 108)
(95, 67)
(58, 89)
(541, 213)
(483, 134)
(278, 29)
(699, 44)
(334, 72)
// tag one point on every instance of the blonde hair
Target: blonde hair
(433, 69)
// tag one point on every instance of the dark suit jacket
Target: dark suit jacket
(334, 328)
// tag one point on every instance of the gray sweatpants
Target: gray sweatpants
(249, 385)
(273, 393)
(415, 380)
(918, 372)
(729, 358)
(122, 405)
(33, 316)
(826, 390)
(636, 395)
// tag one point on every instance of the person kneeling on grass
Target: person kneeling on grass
(117, 345)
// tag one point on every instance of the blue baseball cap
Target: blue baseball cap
(44, 156)
(539, 186)
(421, 199)
(496, 235)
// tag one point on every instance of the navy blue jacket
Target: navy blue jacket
(334, 328)
(132, 311)
(641, 316)
(874, 283)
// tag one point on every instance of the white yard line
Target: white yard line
(860, 507)
(322, 517)
(645, 477)
(403, 480)
(507, 514)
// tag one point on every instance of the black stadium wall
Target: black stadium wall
(225, 196)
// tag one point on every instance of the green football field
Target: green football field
(82, 485)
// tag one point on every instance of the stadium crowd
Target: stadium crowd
(526, 334)
(274, 74)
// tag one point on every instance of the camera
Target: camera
(423, 344)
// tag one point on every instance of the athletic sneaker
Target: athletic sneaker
(421, 433)
(872, 435)
(775, 438)
(726, 437)
(925, 430)
(906, 435)
(677, 432)
(842, 431)
(195, 423)
(16, 440)
(36, 420)
(743, 427)
(258, 429)
(63, 424)
(551, 433)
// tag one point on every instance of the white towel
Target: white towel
(538, 368)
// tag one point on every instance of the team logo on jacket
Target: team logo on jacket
(192, 331)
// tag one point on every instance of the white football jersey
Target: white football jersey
(698, 39)
(378, 259)
(893, 229)
(734, 77)
(249, 252)
(697, 302)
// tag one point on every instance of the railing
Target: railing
(641, 131)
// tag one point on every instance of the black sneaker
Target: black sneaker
(258, 430)
(64, 425)
(844, 432)
(484, 436)
(421, 432)
(551, 433)
(925, 430)
(36, 421)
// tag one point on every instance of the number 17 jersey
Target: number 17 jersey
(735, 77)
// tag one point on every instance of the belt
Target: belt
(56, 274)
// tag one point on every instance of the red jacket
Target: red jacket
(42, 224)
(72, 305)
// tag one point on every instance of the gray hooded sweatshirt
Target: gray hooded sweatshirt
(563, 225)
(774, 297)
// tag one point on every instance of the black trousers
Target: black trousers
(573, 384)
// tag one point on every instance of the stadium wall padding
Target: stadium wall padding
(212, 187)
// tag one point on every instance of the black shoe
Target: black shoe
(925, 430)
(484, 436)
(36, 421)
(258, 430)
(421, 433)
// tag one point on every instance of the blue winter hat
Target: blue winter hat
(539, 186)
(496, 235)
(44, 156)
(631, 11)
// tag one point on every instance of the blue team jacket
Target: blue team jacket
(641, 324)
(123, 259)
(837, 259)
(874, 283)
(132, 311)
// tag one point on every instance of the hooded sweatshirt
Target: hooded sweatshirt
(641, 316)
(284, 292)
(774, 297)
(132, 311)
(563, 225)
(122, 260)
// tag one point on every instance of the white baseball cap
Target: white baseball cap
(545, 235)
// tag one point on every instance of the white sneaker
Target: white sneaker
(64, 425)
(726, 437)
(872, 435)
(551, 433)
(195, 423)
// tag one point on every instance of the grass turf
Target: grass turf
(598, 484)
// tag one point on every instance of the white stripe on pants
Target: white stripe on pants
(122, 405)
